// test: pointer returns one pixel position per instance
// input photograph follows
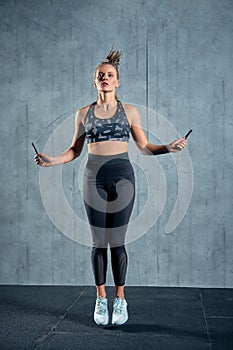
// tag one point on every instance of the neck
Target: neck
(106, 98)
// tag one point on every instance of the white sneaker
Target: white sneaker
(101, 311)
(120, 313)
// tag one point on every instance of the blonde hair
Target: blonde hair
(113, 58)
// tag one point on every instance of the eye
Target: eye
(100, 75)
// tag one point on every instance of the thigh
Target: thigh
(96, 216)
(121, 207)
(119, 219)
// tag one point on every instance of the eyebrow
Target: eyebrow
(106, 72)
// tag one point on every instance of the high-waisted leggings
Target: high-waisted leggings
(109, 192)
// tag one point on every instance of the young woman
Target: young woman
(108, 186)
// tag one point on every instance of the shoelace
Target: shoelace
(101, 306)
(118, 306)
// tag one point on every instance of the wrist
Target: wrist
(168, 148)
(51, 161)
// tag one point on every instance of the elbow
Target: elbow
(76, 152)
(144, 150)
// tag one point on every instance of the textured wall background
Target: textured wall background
(178, 61)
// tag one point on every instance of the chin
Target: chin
(105, 90)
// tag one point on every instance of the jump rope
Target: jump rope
(186, 136)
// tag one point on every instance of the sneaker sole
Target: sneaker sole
(101, 324)
(120, 323)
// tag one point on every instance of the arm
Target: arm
(141, 141)
(72, 152)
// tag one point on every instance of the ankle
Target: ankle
(101, 291)
(121, 296)
(119, 292)
(102, 296)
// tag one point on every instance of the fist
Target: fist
(177, 145)
(42, 160)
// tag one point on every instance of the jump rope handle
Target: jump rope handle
(188, 133)
(34, 148)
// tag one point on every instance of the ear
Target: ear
(117, 84)
(94, 83)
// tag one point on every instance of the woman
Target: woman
(108, 186)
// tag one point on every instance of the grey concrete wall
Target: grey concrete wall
(178, 61)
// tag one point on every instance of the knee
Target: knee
(118, 252)
(97, 251)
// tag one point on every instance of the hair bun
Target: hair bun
(113, 57)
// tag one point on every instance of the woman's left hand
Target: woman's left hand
(177, 145)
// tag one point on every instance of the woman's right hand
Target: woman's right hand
(43, 160)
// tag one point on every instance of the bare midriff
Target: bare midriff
(106, 148)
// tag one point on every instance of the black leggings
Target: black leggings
(109, 192)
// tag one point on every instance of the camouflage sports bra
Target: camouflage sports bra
(115, 128)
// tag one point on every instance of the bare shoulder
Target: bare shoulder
(129, 108)
(81, 113)
(131, 112)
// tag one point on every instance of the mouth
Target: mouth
(104, 84)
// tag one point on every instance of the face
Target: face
(106, 78)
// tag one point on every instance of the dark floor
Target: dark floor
(61, 317)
